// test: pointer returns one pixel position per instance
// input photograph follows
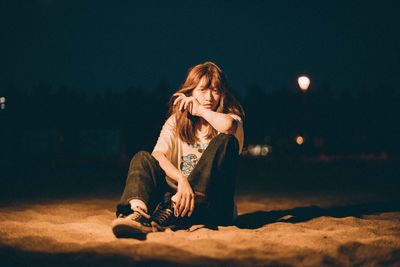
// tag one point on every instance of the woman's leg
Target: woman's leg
(215, 177)
(145, 181)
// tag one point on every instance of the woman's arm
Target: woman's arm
(221, 122)
(184, 197)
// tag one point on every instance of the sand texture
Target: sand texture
(271, 231)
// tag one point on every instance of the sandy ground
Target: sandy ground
(324, 230)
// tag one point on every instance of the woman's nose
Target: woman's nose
(208, 95)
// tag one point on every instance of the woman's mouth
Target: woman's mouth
(209, 106)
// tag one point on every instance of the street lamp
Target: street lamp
(299, 140)
(304, 83)
(2, 102)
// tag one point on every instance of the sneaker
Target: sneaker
(163, 216)
(132, 225)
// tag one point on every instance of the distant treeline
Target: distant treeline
(63, 122)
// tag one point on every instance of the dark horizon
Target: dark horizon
(69, 124)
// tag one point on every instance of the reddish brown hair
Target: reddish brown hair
(185, 122)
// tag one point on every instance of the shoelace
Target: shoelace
(161, 215)
(137, 212)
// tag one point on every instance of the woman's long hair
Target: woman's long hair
(185, 122)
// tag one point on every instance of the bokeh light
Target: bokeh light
(304, 83)
(257, 150)
(299, 140)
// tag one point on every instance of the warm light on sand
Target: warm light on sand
(271, 231)
(304, 82)
(299, 140)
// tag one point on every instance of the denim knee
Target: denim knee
(229, 140)
(141, 156)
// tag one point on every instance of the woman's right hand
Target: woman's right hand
(184, 198)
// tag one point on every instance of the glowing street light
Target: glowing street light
(258, 150)
(299, 140)
(2, 102)
(304, 83)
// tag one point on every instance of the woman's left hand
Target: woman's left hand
(188, 102)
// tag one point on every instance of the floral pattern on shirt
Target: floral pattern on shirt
(200, 147)
(188, 163)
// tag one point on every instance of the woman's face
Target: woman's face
(207, 97)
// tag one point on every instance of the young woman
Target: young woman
(190, 175)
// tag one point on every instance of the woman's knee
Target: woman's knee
(228, 140)
(140, 157)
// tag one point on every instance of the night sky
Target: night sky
(92, 46)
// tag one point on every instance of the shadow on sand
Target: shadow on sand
(257, 219)
(106, 256)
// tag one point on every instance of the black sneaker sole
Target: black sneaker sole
(125, 228)
(160, 228)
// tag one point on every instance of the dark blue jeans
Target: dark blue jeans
(213, 180)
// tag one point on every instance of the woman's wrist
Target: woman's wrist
(181, 177)
(202, 112)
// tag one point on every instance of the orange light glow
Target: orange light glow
(304, 83)
(299, 140)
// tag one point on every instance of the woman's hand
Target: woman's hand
(184, 198)
(188, 102)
